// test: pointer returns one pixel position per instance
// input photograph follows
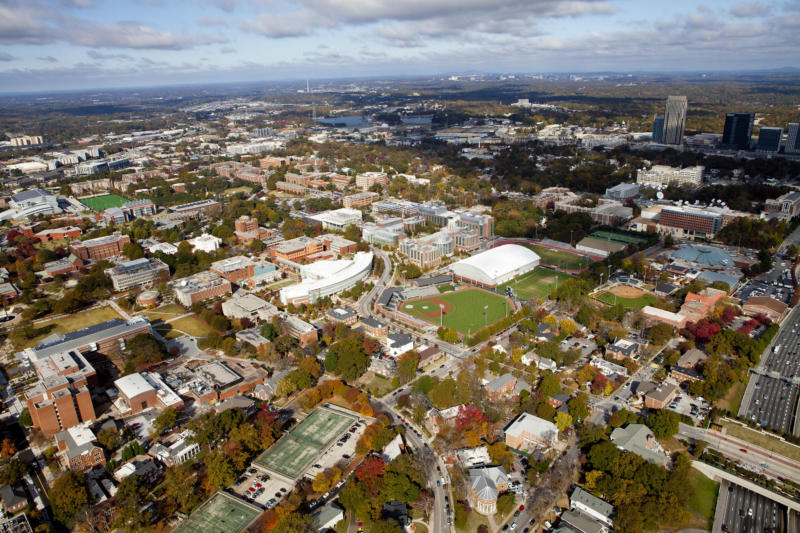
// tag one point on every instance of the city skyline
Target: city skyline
(87, 44)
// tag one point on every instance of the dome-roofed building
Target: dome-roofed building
(704, 256)
(495, 266)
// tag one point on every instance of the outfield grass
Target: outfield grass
(467, 313)
(552, 257)
(763, 440)
(101, 203)
(623, 239)
(80, 320)
(445, 288)
(706, 492)
(630, 303)
(539, 282)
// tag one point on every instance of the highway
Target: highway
(748, 512)
(773, 402)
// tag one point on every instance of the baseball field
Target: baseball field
(465, 311)
(539, 282)
(630, 297)
(101, 203)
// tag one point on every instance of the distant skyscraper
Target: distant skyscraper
(738, 130)
(769, 140)
(675, 120)
(793, 142)
(658, 129)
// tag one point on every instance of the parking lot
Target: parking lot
(584, 345)
(766, 288)
(746, 511)
(773, 402)
(335, 453)
(271, 488)
(685, 404)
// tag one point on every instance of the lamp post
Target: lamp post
(570, 237)
(441, 315)
(485, 320)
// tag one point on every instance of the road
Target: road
(746, 511)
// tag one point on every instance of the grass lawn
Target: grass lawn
(552, 257)
(52, 245)
(764, 440)
(630, 303)
(193, 325)
(169, 309)
(474, 519)
(539, 282)
(377, 385)
(733, 400)
(101, 203)
(281, 284)
(421, 528)
(445, 288)
(167, 331)
(706, 491)
(80, 320)
(244, 189)
(467, 309)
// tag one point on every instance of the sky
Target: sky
(50, 45)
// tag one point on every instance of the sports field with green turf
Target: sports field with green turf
(630, 303)
(624, 239)
(539, 282)
(557, 258)
(101, 203)
(222, 513)
(298, 448)
(464, 309)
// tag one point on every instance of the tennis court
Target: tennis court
(463, 310)
(222, 513)
(296, 450)
(539, 282)
(101, 203)
(617, 237)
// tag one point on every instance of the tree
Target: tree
(25, 418)
(563, 421)
(220, 469)
(11, 471)
(552, 322)
(617, 333)
(165, 420)
(664, 423)
(568, 327)
(660, 334)
(7, 448)
(451, 336)
(545, 411)
(68, 495)
(348, 357)
(387, 525)
(550, 386)
(295, 523)
(179, 485)
(407, 365)
(500, 454)
(145, 350)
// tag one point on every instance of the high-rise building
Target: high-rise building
(674, 120)
(658, 129)
(793, 141)
(738, 130)
(769, 140)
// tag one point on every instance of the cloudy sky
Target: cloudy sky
(50, 45)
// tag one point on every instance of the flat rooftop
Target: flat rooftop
(222, 513)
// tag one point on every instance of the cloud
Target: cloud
(211, 21)
(227, 50)
(49, 59)
(298, 24)
(94, 54)
(745, 10)
(7, 57)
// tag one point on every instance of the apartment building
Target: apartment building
(291, 188)
(483, 224)
(137, 273)
(298, 329)
(101, 247)
(91, 186)
(664, 175)
(606, 212)
(368, 179)
(78, 448)
(139, 208)
(200, 287)
(341, 181)
(296, 179)
(422, 255)
(362, 198)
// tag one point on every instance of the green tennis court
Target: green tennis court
(617, 237)
(539, 282)
(296, 450)
(556, 258)
(463, 310)
(101, 203)
(222, 513)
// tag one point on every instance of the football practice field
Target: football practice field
(539, 282)
(557, 258)
(618, 237)
(101, 203)
(463, 310)
(300, 446)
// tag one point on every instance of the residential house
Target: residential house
(506, 385)
(655, 395)
(579, 522)
(591, 505)
(428, 355)
(624, 349)
(14, 497)
(680, 374)
(397, 511)
(328, 516)
(529, 432)
(78, 448)
(639, 439)
(399, 343)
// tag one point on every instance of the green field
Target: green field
(222, 513)
(630, 303)
(763, 440)
(297, 449)
(101, 203)
(539, 282)
(467, 312)
(624, 239)
(706, 491)
(557, 258)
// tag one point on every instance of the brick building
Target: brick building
(78, 448)
(101, 247)
(145, 391)
(297, 249)
(368, 179)
(374, 327)
(67, 232)
(200, 287)
(362, 198)
(245, 223)
(342, 316)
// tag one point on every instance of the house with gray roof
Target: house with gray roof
(485, 486)
(639, 439)
(176, 454)
(328, 516)
(78, 448)
(582, 523)
(14, 497)
(591, 505)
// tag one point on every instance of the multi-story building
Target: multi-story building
(139, 208)
(337, 220)
(241, 268)
(374, 327)
(61, 266)
(738, 131)
(368, 179)
(342, 316)
(400, 208)
(67, 232)
(248, 306)
(326, 278)
(291, 188)
(176, 454)
(137, 273)
(549, 196)
(296, 249)
(297, 179)
(298, 329)
(101, 247)
(194, 208)
(786, 207)
(337, 245)
(245, 223)
(696, 221)
(205, 242)
(422, 255)
(78, 448)
(793, 140)
(31, 203)
(623, 191)
(483, 224)
(200, 287)
(382, 236)
(90, 186)
(139, 392)
(61, 399)
(530, 432)
(665, 175)
(607, 211)
(362, 198)
(675, 120)
(658, 129)
(26, 140)
(769, 140)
